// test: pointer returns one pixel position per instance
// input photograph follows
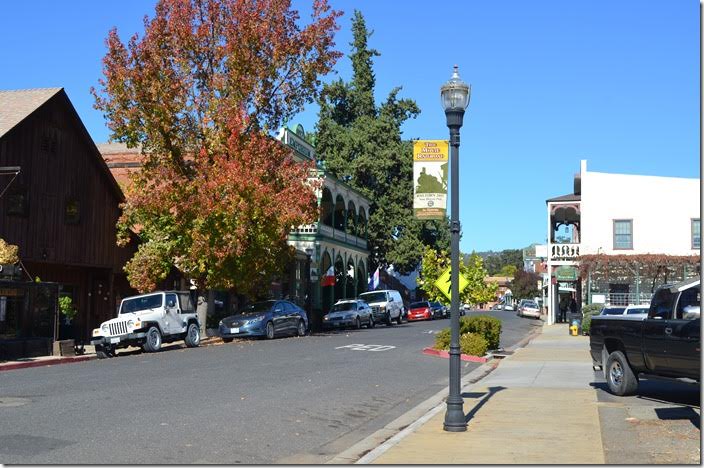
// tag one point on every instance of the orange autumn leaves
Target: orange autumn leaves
(216, 196)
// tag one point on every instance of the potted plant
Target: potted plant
(65, 345)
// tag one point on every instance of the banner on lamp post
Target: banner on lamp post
(430, 169)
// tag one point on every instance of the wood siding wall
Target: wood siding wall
(58, 164)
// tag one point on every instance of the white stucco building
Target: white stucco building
(611, 216)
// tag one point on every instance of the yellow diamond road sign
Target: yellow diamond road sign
(443, 283)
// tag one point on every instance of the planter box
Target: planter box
(446, 355)
(63, 348)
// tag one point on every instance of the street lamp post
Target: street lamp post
(455, 96)
(309, 286)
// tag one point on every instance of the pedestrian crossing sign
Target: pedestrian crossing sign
(443, 283)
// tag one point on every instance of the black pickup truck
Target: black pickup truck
(665, 343)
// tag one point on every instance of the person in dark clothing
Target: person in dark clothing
(562, 315)
(572, 307)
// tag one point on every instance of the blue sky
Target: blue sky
(553, 82)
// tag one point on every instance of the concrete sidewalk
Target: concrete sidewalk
(537, 407)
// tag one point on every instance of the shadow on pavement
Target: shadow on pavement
(485, 396)
(679, 413)
(660, 391)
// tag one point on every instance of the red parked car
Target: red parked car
(420, 311)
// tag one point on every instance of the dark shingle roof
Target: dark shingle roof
(16, 105)
(568, 197)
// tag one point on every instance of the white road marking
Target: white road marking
(363, 347)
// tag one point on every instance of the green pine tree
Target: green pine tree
(361, 144)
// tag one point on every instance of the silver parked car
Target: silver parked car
(349, 313)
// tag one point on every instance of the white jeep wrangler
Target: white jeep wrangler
(148, 320)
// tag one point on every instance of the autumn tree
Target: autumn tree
(434, 264)
(9, 253)
(199, 92)
(360, 142)
(525, 285)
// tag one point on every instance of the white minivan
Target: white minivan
(386, 304)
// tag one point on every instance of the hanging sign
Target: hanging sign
(566, 273)
(430, 169)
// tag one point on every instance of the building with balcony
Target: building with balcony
(618, 236)
(338, 239)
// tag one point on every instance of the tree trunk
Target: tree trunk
(202, 310)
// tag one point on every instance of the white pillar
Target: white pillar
(551, 312)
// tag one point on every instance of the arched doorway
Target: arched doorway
(340, 275)
(326, 207)
(350, 285)
(327, 292)
(351, 218)
(362, 224)
(340, 212)
(361, 278)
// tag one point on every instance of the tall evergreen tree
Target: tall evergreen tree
(361, 144)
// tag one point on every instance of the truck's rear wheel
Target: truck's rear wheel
(152, 342)
(619, 376)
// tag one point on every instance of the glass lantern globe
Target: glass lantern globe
(455, 93)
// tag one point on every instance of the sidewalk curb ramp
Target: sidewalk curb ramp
(374, 445)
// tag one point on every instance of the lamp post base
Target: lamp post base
(454, 417)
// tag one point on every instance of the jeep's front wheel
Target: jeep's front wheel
(153, 340)
(192, 336)
(100, 352)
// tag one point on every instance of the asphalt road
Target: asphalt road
(251, 401)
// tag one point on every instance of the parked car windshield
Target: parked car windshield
(530, 304)
(257, 308)
(418, 305)
(344, 306)
(613, 311)
(638, 310)
(137, 304)
(373, 297)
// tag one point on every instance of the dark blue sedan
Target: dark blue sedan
(267, 319)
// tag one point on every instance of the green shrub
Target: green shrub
(473, 344)
(485, 325)
(587, 312)
(442, 340)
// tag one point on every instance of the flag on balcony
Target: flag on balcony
(328, 278)
(374, 280)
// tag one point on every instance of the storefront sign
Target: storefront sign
(430, 169)
(11, 292)
(566, 273)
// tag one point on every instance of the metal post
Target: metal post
(454, 416)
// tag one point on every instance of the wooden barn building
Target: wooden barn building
(61, 210)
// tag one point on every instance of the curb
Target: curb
(45, 362)
(446, 355)
(378, 442)
(373, 446)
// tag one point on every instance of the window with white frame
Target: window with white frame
(696, 234)
(623, 234)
